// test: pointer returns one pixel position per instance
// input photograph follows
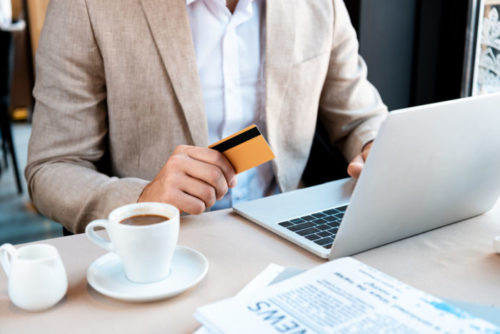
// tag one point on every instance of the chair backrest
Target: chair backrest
(36, 14)
(325, 163)
(17, 8)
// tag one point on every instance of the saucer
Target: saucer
(106, 275)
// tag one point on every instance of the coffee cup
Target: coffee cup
(143, 235)
(36, 276)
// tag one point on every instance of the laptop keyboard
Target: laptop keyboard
(319, 227)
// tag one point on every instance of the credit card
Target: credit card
(245, 149)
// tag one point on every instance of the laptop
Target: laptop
(429, 166)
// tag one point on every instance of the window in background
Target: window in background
(486, 71)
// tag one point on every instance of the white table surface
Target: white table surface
(455, 262)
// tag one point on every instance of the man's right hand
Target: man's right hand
(192, 179)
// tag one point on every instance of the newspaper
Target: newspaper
(265, 278)
(341, 296)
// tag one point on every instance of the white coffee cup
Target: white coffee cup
(37, 279)
(145, 250)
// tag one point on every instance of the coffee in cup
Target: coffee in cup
(142, 220)
(143, 235)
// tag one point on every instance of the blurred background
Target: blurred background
(19, 221)
(417, 51)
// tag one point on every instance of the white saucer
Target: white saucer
(106, 275)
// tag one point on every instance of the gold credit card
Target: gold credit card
(245, 149)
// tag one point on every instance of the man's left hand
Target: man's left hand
(356, 165)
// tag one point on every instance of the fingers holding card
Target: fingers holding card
(245, 149)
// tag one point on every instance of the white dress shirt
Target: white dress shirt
(230, 58)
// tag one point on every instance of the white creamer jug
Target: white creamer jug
(37, 279)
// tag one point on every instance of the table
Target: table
(455, 262)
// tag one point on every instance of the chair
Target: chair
(6, 55)
(37, 10)
(325, 163)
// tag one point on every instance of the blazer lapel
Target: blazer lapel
(280, 41)
(169, 25)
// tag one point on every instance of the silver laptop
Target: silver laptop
(430, 166)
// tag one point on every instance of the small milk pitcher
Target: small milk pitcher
(37, 279)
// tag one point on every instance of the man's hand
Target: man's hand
(192, 179)
(356, 165)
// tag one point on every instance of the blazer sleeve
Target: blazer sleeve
(69, 134)
(350, 107)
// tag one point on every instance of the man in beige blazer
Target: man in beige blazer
(119, 103)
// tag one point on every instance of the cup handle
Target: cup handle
(7, 253)
(96, 238)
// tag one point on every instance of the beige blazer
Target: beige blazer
(117, 90)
